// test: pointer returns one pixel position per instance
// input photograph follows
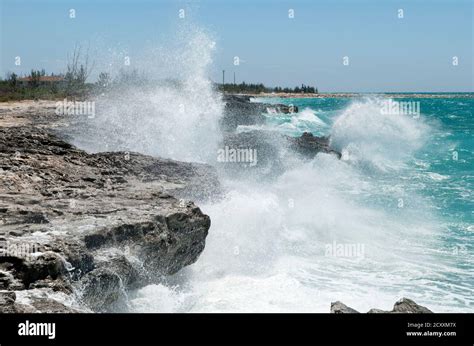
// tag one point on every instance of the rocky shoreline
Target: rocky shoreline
(272, 149)
(94, 225)
(79, 230)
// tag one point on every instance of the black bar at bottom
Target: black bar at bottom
(292, 329)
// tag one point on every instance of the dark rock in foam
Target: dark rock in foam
(239, 110)
(271, 151)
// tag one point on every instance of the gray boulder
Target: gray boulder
(340, 308)
(404, 305)
(269, 152)
(239, 110)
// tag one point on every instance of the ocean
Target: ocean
(394, 217)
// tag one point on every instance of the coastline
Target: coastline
(357, 95)
(38, 158)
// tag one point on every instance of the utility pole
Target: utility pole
(223, 79)
(234, 78)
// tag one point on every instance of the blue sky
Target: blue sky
(386, 53)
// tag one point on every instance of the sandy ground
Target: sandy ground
(20, 113)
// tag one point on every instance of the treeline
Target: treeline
(73, 83)
(15, 87)
(38, 85)
(260, 88)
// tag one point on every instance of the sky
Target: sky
(383, 49)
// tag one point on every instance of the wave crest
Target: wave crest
(364, 133)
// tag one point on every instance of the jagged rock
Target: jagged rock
(268, 151)
(253, 152)
(239, 110)
(34, 157)
(102, 290)
(340, 308)
(404, 305)
(48, 306)
(8, 304)
(377, 311)
(77, 222)
(309, 145)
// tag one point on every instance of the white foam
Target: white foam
(367, 134)
(177, 120)
(437, 176)
(308, 115)
(266, 249)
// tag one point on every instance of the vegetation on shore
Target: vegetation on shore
(73, 84)
(36, 86)
(243, 88)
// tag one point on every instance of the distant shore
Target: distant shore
(355, 95)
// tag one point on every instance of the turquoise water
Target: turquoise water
(435, 177)
(451, 131)
(401, 195)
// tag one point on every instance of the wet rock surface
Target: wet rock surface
(239, 110)
(341, 308)
(264, 153)
(258, 153)
(404, 305)
(78, 230)
(309, 145)
(85, 228)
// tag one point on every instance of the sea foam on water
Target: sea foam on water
(267, 246)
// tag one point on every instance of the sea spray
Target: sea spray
(266, 249)
(267, 246)
(172, 113)
(366, 132)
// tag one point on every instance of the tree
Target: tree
(35, 78)
(78, 70)
(12, 80)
